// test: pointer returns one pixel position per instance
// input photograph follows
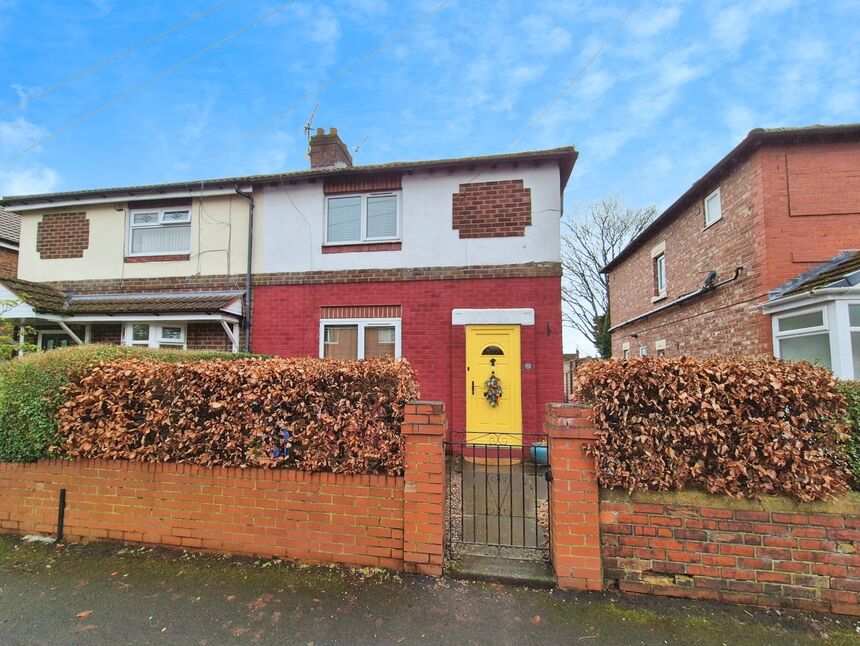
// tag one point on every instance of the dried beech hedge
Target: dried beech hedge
(309, 414)
(743, 427)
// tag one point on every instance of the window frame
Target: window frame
(363, 324)
(816, 330)
(706, 211)
(131, 227)
(660, 274)
(154, 340)
(363, 237)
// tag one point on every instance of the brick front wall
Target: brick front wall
(492, 209)
(785, 209)
(63, 235)
(772, 552)
(314, 517)
(8, 262)
(286, 322)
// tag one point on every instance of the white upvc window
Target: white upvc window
(151, 335)
(159, 232)
(349, 339)
(370, 217)
(660, 274)
(713, 208)
(854, 331)
(803, 335)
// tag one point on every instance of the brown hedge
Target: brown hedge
(310, 414)
(743, 427)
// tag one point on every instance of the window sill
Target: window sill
(182, 256)
(658, 298)
(362, 247)
(717, 221)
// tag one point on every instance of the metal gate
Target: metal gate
(498, 499)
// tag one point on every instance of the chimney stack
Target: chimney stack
(328, 151)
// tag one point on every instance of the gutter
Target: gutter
(246, 320)
(706, 288)
(776, 303)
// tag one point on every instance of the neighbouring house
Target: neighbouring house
(693, 282)
(572, 361)
(453, 264)
(10, 232)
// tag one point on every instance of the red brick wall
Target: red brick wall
(286, 323)
(811, 197)
(105, 333)
(771, 552)
(63, 235)
(207, 336)
(8, 262)
(492, 209)
(785, 209)
(315, 517)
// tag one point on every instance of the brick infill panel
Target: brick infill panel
(62, 235)
(361, 248)
(173, 258)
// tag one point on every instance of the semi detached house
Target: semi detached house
(452, 264)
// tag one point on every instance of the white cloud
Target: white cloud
(651, 21)
(733, 24)
(34, 179)
(19, 133)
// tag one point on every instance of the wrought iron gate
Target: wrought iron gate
(498, 499)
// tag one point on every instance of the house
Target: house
(693, 282)
(10, 232)
(453, 264)
(571, 363)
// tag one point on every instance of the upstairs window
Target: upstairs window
(713, 208)
(660, 275)
(159, 232)
(362, 218)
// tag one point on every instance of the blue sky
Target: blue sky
(677, 87)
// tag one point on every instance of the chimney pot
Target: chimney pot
(328, 150)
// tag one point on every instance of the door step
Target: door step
(534, 574)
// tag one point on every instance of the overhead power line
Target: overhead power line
(113, 59)
(319, 89)
(153, 79)
(576, 78)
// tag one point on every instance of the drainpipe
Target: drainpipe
(246, 321)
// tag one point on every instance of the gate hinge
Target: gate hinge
(548, 475)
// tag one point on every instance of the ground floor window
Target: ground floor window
(804, 336)
(50, 339)
(359, 338)
(151, 335)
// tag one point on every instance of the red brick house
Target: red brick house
(453, 264)
(693, 282)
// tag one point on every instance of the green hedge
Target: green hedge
(851, 391)
(30, 391)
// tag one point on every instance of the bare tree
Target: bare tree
(591, 237)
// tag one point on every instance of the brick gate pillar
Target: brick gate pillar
(574, 498)
(423, 429)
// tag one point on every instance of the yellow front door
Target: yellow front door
(493, 351)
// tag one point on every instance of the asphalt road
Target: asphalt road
(107, 594)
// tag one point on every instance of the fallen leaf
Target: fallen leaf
(84, 614)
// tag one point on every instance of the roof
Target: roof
(49, 299)
(753, 141)
(833, 273)
(565, 156)
(39, 296)
(10, 226)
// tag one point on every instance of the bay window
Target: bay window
(159, 232)
(362, 218)
(803, 336)
(359, 338)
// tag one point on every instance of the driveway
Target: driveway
(107, 594)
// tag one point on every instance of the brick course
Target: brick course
(492, 209)
(62, 235)
(8, 262)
